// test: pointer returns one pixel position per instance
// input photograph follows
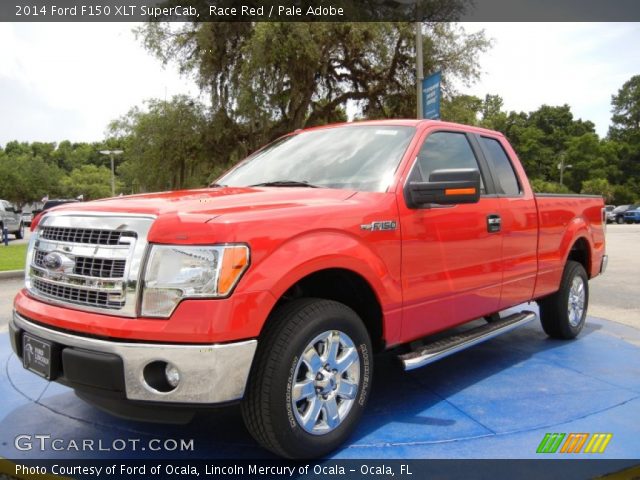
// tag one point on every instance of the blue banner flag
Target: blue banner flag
(431, 97)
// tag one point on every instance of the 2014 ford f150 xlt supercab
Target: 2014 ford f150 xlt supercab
(275, 286)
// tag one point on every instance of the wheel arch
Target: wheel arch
(580, 252)
(345, 286)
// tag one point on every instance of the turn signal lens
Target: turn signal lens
(234, 262)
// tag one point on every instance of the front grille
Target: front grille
(91, 236)
(95, 261)
(89, 266)
(76, 295)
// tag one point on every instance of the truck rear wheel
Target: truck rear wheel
(563, 314)
(310, 379)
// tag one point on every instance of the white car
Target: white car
(10, 219)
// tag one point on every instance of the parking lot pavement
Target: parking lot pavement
(14, 241)
(8, 290)
(616, 294)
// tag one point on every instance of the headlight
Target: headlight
(175, 272)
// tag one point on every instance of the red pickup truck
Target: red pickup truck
(277, 285)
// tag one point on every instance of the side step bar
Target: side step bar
(446, 346)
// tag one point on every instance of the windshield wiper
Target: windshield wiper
(285, 183)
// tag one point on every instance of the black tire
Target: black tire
(557, 321)
(268, 409)
(619, 220)
(20, 232)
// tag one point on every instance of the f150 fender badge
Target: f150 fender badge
(379, 225)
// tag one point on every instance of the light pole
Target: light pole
(562, 167)
(419, 69)
(111, 153)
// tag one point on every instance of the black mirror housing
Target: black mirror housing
(445, 187)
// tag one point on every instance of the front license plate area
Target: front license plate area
(37, 355)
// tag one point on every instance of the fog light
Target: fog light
(172, 374)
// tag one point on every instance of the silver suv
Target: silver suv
(10, 219)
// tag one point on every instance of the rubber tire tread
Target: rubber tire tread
(276, 336)
(553, 309)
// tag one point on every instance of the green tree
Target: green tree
(462, 109)
(626, 109)
(625, 128)
(541, 186)
(266, 79)
(89, 181)
(493, 117)
(164, 145)
(598, 186)
(25, 177)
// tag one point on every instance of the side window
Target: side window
(505, 176)
(444, 150)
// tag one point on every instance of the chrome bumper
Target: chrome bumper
(210, 374)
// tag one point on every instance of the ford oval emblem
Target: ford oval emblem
(53, 261)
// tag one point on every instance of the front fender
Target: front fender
(311, 252)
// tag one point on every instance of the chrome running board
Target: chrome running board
(444, 347)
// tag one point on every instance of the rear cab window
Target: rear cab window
(505, 178)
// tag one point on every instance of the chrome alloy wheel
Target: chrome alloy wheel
(325, 382)
(575, 306)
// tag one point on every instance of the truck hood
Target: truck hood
(205, 204)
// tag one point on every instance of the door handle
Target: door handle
(494, 223)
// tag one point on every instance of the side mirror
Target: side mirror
(445, 187)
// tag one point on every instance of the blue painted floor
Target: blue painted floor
(494, 401)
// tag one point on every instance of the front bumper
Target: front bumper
(209, 374)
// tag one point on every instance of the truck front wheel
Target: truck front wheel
(563, 314)
(310, 379)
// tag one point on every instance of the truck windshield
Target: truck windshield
(355, 157)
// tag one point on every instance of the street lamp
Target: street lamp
(562, 167)
(111, 153)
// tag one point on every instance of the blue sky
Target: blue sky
(67, 81)
(582, 64)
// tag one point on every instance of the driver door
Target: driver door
(451, 256)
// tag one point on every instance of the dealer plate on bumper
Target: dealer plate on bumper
(36, 355)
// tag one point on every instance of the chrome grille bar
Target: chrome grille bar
(85, 235)
(88, 266)
(89, 261)
(76, 295)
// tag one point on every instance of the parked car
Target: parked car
(617, 214)
(276, 287)
(607, 210)
(54, 203)
(26, 218)
(10, 218)
(632, 215)
(50, 204)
